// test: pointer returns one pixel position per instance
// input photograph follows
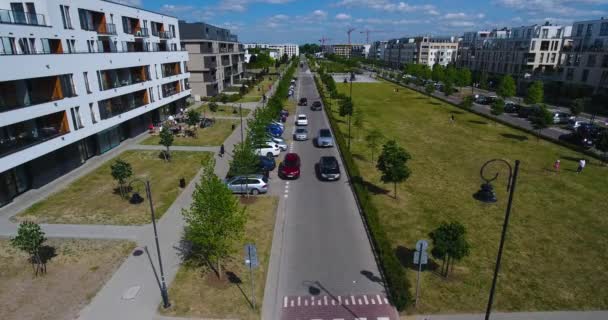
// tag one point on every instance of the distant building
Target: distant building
(377, 50)
(290, 49)
(347, 50)
(216, 58)
(421, 50)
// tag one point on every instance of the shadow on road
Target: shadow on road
(317, 287)
(371, 276)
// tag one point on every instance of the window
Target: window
(91, 45)
(579, 30)
(585, 75)
(589, 29)
(605, 61)
(545, 33)
(604, 29)
(570, 74)
(71, 45)
(591, 60)
(559, 33)
(7, 45)
(604, 78)
(65, 17)
(151, 93)
(553, 55)
(533, 46)
(93, 118)
(86, 81)
(544, 45)
(542, 55)
(76, 121)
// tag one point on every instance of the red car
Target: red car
(290, 167)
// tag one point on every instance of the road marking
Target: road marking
(285, 302)
(352, 299)
(292, 303)
(346, 302)
(379, 299)
(285, 196)
(359, 301)
(325, 300)
(385, 300)
(384, 318)
(365, 299)
(373, 301)
(339, 300)
(298, 301)
(287, 183)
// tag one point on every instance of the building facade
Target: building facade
(584, 58)
(346, 50)
(216, 58)
(377, 50)
(421, 50)
(78, 78)
(292, 50)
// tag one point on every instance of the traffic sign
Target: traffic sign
(424, 257)
(422, 245)
(251, 256)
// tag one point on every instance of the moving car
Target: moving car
(301, 134)
(267, 163)
(329, 169)
(561, 117)
(253, 184)
(302, 120)
(325, 139)
(316, 106)
(290, 167)
(303, 102)
(267, 149)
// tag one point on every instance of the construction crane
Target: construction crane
(323, 40)
(367, 32)
(349, 31)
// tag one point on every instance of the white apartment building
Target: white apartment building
(421, 50)
(290, 49)
(522, 50)
(584, 58)
(78, 77)
(215, 58)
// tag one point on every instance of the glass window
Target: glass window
(7, 45)
(579, 30)
(93, 118)
(604, 29)
(589, 29)
(86, 81)
(585, 75)
(591, 60)
(65, 17)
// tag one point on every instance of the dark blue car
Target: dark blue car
(274, 130)
(267, 163)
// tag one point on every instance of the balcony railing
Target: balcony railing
(29, 133)
(108, 28)
(142, 33)
(20, 17)
(167, 92)
(165, 35)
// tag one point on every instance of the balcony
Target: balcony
(209, 77)
(210, 63)
(165, 35)
(28, 92)
(106, 29)
(170, 89)
(142, 33)
(20, 17)
(116, 78)
(118, 105)
(25, 134)
(171, 69)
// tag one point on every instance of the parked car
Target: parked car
(577, 139)
(329, 169)
(290, 167)
(561, 117)
(267, 163)
(284, 113)
(301, 134)
(279, 141)
(480, 99)
(253, 184)
(525, 112)
(303, 102)
(573, 124)
(267, 149)
(325, 139)
(274, 131)
(316, 106)
(511, 107)
(302, 120)
(282, 125)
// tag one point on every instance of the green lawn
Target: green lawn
(92, 199)
(210, 136)
(254, 95)
(223, 110)
(196, 293)
(555, 255)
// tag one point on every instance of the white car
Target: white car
(302, 120)
(268, 149)
(279, 141)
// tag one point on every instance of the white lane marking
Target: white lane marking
(352, 299)
(333, 301)
(306, 302)
(285, 302)
(385, 300)
(298, 301)
(365, 299)
(373, 301)
(286, 196)
(287, 183)
(292, 303)
(384, 318)
(379, 299)
(359, 301)
(360, 318)
(346, 302)
(325, 300)
(340, 300)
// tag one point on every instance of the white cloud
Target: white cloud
(388, 5)
(342, 16)
(187, 12)
(241, 5)
(559, 7)
(319, 14)
(458, 15)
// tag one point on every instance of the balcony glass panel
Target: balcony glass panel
(114, 106)
(27, 92)
(21, 135)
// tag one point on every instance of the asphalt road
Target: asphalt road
(325, 262)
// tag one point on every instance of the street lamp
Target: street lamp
(136, 198)
(487, 195)
(351, 101)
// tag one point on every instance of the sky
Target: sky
(307, 21)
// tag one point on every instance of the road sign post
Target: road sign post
(420, 257)
(251, 261)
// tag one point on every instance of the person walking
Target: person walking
(581, 165)
(222, 151)
(452, 119)
(556, 165)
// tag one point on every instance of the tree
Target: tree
(535, 93)
(374, 139)
(506, 87)
(347, 109)
(541, 119)
(30, 238)
(392, 163)
(498, 107)
(358, 120)
(214, 222)
(602, 145)
(193, 117)
(438, 73)
(463, 77)
(252, 60)
(121, 171)
(213, 106)
(244, 160)
(448, 88)
(429, 89)
(223, 98)
(483, 80)
(449, 244)
(166, 139)
(578, 106)
(467, 102)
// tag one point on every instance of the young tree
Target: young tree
(498, 107)
(214, 222)
(541, 119)
(438, 73)
(463, 77)
(449, 244)
(358, 120)
(392, 163)
(535, 93)
(166, 139)
(506, 87)
(224, 98)
(347, 109)
(483, 80)
(448, 88)
(30, 238)
(213, 106)
(193, 117)
(373, 140)
(602, 145)
(429, 89)
(578, 106)
(121, 171)
(244, 160)
(467, 102)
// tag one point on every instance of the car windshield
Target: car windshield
(325, 133)
(301, 117)
(293, 162)
(330, 165)
(301, 130)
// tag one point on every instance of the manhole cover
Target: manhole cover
(131, 293)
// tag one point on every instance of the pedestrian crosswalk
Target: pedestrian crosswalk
(344, 307)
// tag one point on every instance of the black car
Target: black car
(329, 169)
(511, 107)
(525, 112)
(267, 163)
(303, 102)
(316, 106)
(576, 139)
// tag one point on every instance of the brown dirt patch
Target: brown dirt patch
(247, 200)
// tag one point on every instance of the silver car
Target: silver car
(301, 134)
(279, 141)
(325, 138)
(253, 184)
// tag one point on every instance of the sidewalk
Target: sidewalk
(554, 315)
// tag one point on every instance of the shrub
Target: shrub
(212, 106)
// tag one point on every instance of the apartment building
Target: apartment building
(584, 57)
(525, 50)
(79, 77)
(346, 50)
(421, 50)
(377, 50)
(216, 58)
(292, 50)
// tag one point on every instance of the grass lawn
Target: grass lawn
(254, 95)
(198, 293)
(74, 275)
(223, 110)
(211, 136)
(555, 254)
(92, 199)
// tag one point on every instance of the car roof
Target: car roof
(301, 115)
(301, 130)
(251, 176)
(328, 159)
(292, 156)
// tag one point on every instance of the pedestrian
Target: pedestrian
(452, 119)
(222, 151)
(267, 174)
(556, 165)
(581, 165)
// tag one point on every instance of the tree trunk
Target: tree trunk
(168, 155)
(219, 268)
(452, 267)
(443, 266)
(447, 267)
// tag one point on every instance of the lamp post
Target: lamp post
(486, 194)
(351, 101)
(136, 198)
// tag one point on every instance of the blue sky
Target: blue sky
(302, 21)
